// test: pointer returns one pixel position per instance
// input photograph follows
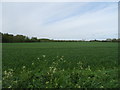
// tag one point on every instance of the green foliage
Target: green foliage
(60, 65)
(10, 38)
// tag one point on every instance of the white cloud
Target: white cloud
(0, 17)
(57, 20)
(59, 0)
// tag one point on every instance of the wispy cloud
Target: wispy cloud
(0, 17)
(59, 0)
(62, 20)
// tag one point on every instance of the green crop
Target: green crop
(60, 65)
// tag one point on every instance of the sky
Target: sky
(60, 0)
(61, 20)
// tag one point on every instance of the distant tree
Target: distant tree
(118, 39)
(9, 38)
(27, 39)
(114, 40)
(108, 39)
(19, 38)
(45, 40)
(34, 39)
(94, 40)
(0, 37)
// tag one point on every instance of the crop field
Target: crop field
(60, 65)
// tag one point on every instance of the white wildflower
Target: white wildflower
(15, 81)
(32, 63)
(101, 87)
(5, 72)
(9, 86)
(23, 67)
(62, 56)
(54, 70)
(47, 82)
(11, 70)
(44, 56)
(89, 68)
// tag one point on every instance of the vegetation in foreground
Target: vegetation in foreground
(60, 65)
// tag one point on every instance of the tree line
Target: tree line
(10, 38)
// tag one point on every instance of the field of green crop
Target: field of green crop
(60, 65)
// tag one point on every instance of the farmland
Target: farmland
(60, 65)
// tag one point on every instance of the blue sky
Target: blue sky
(70, 20)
